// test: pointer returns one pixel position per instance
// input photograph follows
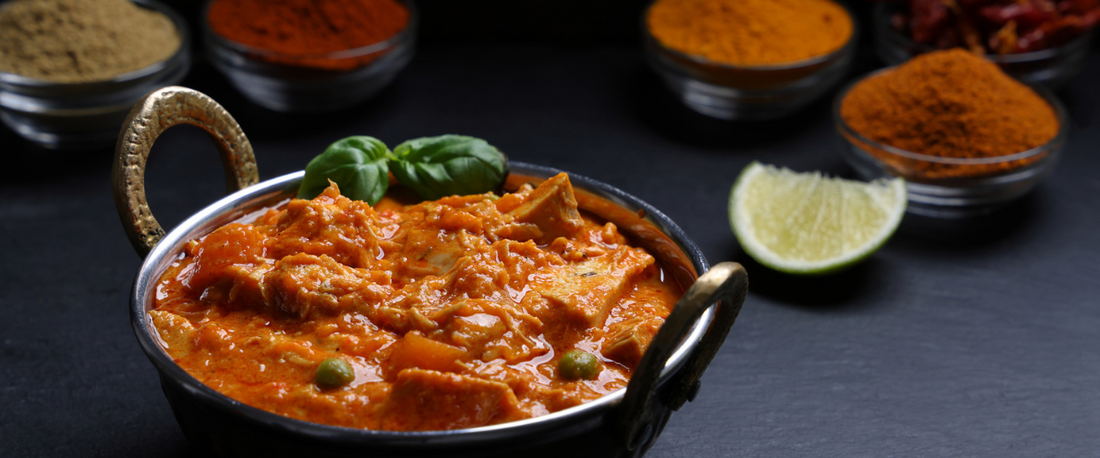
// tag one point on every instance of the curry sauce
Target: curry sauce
(452, 313)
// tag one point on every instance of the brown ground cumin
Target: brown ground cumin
(70, 41)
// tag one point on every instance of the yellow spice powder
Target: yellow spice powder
(750, 32)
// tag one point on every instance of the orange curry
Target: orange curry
(452, 313)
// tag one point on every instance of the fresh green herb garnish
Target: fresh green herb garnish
(356, 164)
(432, 166)
(449, 165)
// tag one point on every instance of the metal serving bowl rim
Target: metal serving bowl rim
(849, 133)
(405, 35)
(184, 47)
(847, 47)
(274, 191)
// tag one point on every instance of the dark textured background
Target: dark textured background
(979, 338)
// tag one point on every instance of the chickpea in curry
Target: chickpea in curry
(445, 314)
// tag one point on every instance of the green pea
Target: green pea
(577, 364)
(333, 373)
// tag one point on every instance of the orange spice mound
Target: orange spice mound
(950, 104)
(308, 27)
(750, 32)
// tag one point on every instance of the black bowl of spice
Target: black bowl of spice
(966, 137)
(70, 70)
(749, 59)
(309, 55)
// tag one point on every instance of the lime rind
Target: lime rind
(883, 199)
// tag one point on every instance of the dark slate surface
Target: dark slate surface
(965, 339)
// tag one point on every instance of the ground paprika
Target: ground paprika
(951, 104)
(301, 32)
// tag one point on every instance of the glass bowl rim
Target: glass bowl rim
(882, 8)
(155, 5)
(406, 34)
(848, 46)
(849, 133)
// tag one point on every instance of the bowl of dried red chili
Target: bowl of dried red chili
(966, 137)
(306, 55)
(1040, 42)
(749, 60)
(623, 423)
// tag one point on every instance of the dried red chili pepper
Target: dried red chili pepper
(1079, 7)
(997, 26)
(929, 19)
(1025, 15)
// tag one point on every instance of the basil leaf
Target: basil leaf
(447, 165)
(356, 164)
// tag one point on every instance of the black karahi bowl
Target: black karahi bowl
(624, 423)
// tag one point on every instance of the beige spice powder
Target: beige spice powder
(71, 41)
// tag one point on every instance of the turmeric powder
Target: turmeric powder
(750, 32)
(951, 104)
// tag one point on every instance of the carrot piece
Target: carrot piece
(417, 351)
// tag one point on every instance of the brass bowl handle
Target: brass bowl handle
(150, 117)
(638, 420)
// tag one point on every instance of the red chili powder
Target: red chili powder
(300, 30)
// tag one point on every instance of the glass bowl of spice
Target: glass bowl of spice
(309, 55)
(1032, 44)
(966, 137)
(749, 59)
(71, 70)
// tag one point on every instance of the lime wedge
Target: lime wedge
(806, 223)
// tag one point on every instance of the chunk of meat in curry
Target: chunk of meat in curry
(452, 313)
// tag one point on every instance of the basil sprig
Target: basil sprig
(432, 166)
(357, 164)
(449, 165)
